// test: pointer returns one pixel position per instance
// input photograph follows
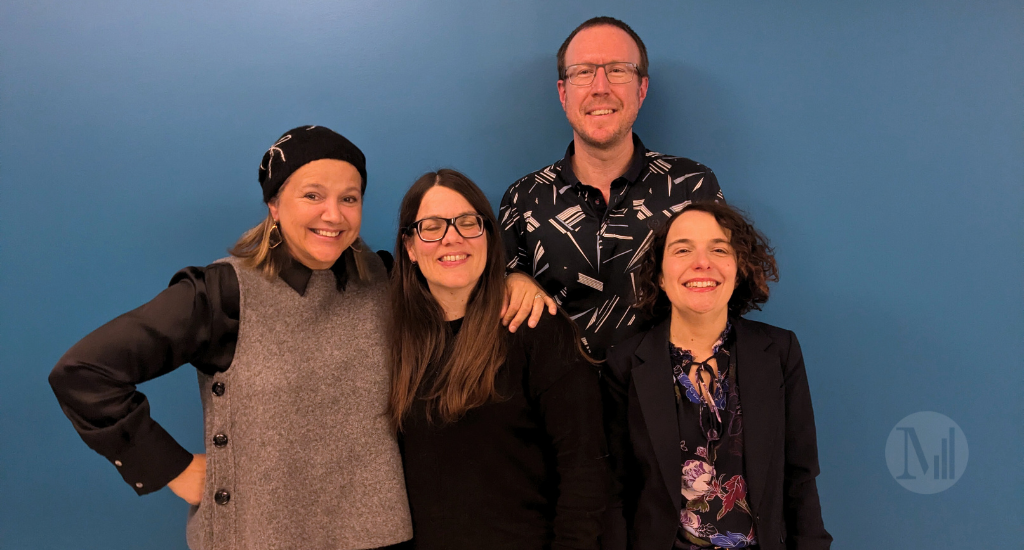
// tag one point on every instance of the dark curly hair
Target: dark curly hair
(755, 262)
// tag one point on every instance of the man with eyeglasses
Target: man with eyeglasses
(581, 225)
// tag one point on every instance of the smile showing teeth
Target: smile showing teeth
(453, 257)
(602, 112)
(700, 284)
(323, 233)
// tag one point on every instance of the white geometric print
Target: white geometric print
(572, 217)
(675, 208)
(596, 287)
(591, 282)
(642, 213)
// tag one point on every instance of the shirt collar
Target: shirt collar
(636, 164)
(297, 275)
(720, 346)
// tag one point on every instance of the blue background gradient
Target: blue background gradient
(879, 144)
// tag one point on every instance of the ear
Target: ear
(643, 90)
(661, 281)
(272, 206)
(561, 93)
(408, 248)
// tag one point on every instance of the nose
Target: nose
(332, 212)
(701, 260)
(600, 85)
(451, 235)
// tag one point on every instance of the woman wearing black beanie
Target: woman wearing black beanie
(287, 338)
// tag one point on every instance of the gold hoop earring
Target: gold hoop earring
(270, 236)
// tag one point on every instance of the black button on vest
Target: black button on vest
(220, 440)
(221, 497)
(218, 388)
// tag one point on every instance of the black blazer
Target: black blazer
(779, 444)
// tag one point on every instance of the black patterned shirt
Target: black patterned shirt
(583, 252)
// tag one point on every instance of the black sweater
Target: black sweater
(525, 472)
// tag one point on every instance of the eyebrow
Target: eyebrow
(681, 241)
(318, 185)
(470, 212)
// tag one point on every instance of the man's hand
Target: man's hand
(524, 298)
(190, 483)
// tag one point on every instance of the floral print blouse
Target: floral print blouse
(715, 513)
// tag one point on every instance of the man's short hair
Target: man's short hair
(596, 22)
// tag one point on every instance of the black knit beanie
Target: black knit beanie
(303, 145)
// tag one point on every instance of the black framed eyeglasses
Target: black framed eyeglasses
(431, 230)
(582, 74)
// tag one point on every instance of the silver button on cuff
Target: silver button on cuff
(118, 463)
(138, 485)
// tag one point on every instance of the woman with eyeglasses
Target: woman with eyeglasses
(288, 339)
(501, 434)
(713, 434)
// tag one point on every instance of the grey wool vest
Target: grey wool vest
(300, 453)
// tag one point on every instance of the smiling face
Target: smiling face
(453, 265)
(698, 272)
(602, 114)
(319, 210)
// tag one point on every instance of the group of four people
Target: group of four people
(355, 400)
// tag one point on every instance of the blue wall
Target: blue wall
(880, 144)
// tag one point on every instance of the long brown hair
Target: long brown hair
(418, 333)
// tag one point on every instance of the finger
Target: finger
(504, 306)
(521, 312)
(552, 306)
(516, 296)
(538, 311)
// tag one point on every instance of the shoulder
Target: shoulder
(530, 183)
(553, 333)
(676, 165)
(619, 357)
(218, 274)
(771, 334)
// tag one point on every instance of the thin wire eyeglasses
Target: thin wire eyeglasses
(431, 230)
(582, 74)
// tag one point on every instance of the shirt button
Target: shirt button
(218, 388)
(118, 463)
(138, 485)
(220, 440)
(221, 497)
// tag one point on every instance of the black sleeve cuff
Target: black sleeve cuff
(151, 460)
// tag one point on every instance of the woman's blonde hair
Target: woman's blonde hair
(256, 249)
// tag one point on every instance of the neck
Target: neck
(598, 167)
(697, 332)
(453, 302)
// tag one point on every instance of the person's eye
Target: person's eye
(431, 225)
(468, 222)
(584, 71)
(617, 70)
(351, 199)
(311, 196)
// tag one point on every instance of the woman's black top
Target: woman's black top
(194, 320)
(525, 472)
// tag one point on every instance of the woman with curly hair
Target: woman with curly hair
(711, 426)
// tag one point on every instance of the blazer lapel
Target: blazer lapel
(652, 379)
(759, 378)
